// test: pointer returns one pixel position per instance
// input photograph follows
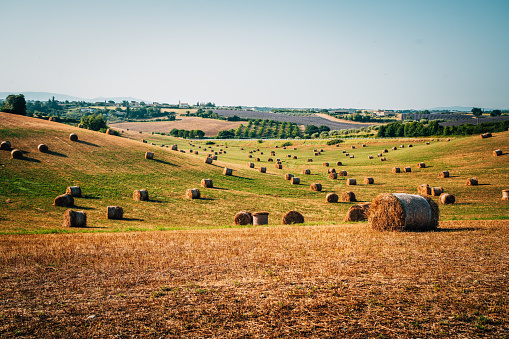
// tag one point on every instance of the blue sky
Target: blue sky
(363, 54)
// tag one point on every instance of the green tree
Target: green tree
(93, 122)
(496, 113)
(15, 104)
(477, 112)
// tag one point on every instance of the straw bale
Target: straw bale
(250, 165)
(64, 200)
(370, 157)
(73, 137)
(149, 155)
(310, 160)
(410, 145)
(446, 198)
(140, 195)
(472, 182)
(325, 164)
(385, 151)
(421, 165)
(193, 193)
(260, 218)
(289, 176)
(444, 174)
(5, 146)
(257, 159)
(262, 170)
(214, 157)
(363, 145)
(497, 152)
(75, 219)
(396, 170)
(16, 154)
(288, 155)
(339, 163)
(74, 191)
(249, 156)
(306, 171)
(243, 218)
(358, 212)
(347, 154)
(292, 217)
(505, 194)
(207, 183)
(348, 196)
(227, 171)
(278, 166)
(353, 147)
(332, 198)
(401, 146)
(295, 180)
(424, 189)
(369, 181)
(110, 132)
(408, 169)
(270, 160)
(436, 191)
(316, 153)
(43, 148)
(351, 181)
(115, 212)
(394, 148)
(383, 159)
(352, 156)
(316, 187)
(208, 160)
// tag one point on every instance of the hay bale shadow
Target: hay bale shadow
(30, 159)
(163, 162)
(460, 229)
(87, 143)
(220, 188)
(132, 219)
(83, 208)
(57, 154)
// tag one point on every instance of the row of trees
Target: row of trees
(182, 133)
(262, 129)
(419, 129)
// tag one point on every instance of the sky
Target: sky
(372, 54)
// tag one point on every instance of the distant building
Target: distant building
(183, 104)
(340, 111)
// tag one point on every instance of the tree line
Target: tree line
(262, 129)
(433, 128)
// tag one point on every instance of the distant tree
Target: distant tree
(15, 104)
(94, 122)
(477, 112)
(311, 129)
(323, 128)
(111, 102)
(496, 113)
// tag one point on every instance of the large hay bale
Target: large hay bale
(408, 169)
(64, 200)
(193, 193)
(315, 187)
(270, 160)
(295, 180)
(436, 191)
(497, 152)
(342, 173)
(332, 197)
(306, 171)
(424, 189)
(444, 174)
(75, 219)
(115, 212)
(369, 181)
(401, 146)
(243, 218)
(289, 176)
(331, 170)
(43, 148)
(249, 156)
(333, 175)
(347, 154)
(16, 154)
(472, 182)
(446, 199)
(208, 160)
(260, 218)
(227, 171)
(74, 191)
(325, 164)
(400, 211)
(140, 195)
(348, 196)
(262, 170)
(396, 170)
(292, 217)
(278, 166)
(358, 212)
(351, 181)
(149, 155)
(288, 155)
(207, 183)
(505, 194)
(5, 146)
(421, 165)
(73, 137)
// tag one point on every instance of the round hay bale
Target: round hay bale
(383, 159)
(410, 145)
(295, 180)
(343, 151)
(379, 155)
(262, 170)
(472, 182)
(316, 153)
(16, 154)
(306, 171)
(332, 198)
(278, 160)
(5, 146)
(195, 152)
(400, 211)
(174, 148)
(358, 212)
(278, 166)
(257, 159)
(250, 164)
(396, 170)
(109, 131)
(331, 170)
(310, 160)
(424, 189)
(270, 160)
(250, 156)
(351, 181)
(81, 126)
(385, 151)
(489, 135)
(74, 191)
(363, 145)
(436, 191)
(352, 156)
(115, 212)
(497, 152)
(144, 141)
(505, 194)
(342, 173)
(140, 195)
(427, 142)
(64, 200)
(348, 196)
(446, 199)
(353, 147)
(347, 154)
(294, 157)
(43, 148)
(227, 171)
(316, 187)
(394, 148)
(369, 181)
(408, 169)
(193, 193)
(288, 155)
(444, 174)
(243, 218)
(401, 146)
(292, 217)
(213, 158)
(260, 218)
(370, 157)
(289, 176)
(321, 150)
(333, 175)
(73, 137)
(325, 164)
(339, 163)
(207, 183)
(75, 219)
(208, 160)
(149, 155)
(421, 165)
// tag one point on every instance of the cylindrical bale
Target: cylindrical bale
(278, 166)
(75, 219)
(347, 154)
(73, 137)
(497, 152)
(149, 155)
(260, 218)
(427, 142)
(316, 187)
(400, 211)
(288, 155)
(444, 174)
(250, 164)
(81, 126)
(195, 152)
(295, 180)
(227, 171)
(351, 181)
(339, 163)
(207, 183)
(174, 148)
(257, 159)
(208, 160)
(410, 145)
(144, 141)
(243, 218)
(332, 198)
(446, 199)
(262, 170)
(193, 193)
(289, 176)
(352, 156)
(505, 194)
(310, 160)
(5, 146)
(424, 189)
(342, 173)
(249, 156)
(43, 148)
(370, 157)
(294, 157)
(472, 182)
(140, 195)
(408, 169)
(331, 170)
(74, 191)
(333, 175)
(109, 131)
(64, 200)
(436, 191)
(353, 147)
(421, 165)
(401, 146)
(214, 157)
(383, 159)
(292, 217)
(363, 145)
(16, 154)
(115, 212)
(325, 164)
(306, 171)
(270, 160)
(348, 196)
(316, 153)
(385, 151)
(369, 181)
(358, 212)
(396, 170)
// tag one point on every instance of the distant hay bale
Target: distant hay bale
(109, 131)
(193, 193)
(278, 166)
(408, 169)
(243, 218)
(400, 211)
(343, 151)
(250, 164)
(472, 182)
(16, 154)
(52, 119)
(174, 148)
(288, 155)
(333, 175)
(342, 173)
(385, 151)
(208, 160)
(73, 137)
(292, 217)
(149, 155)
(444, 174)
(331, 170)
(421, 165)
(257, 159)
(352, 156)
(207, 183)
(332, 198)
(227, 171)
(505, 194)
(295, 180)
(325, 164)
(436, 191)
(306, 171)
(74, 191)
(447, 139)
(401, 146)
(214, 157)
(363, 145)
(358, 212)
(75, 219)
(348, 196)
(115, 212)
(347, 154)
(195, 152)
(316, 153)
(250, 156)
(81, 126)
(321, 150)
(270, 160)
(427, 142)
(294, 157)
(351, 181)
(260, 218)
(339, 163)
(5, 146)
(394, 148)
(140, 195)
(497, 152)
(370, 157)
(369, 181)
(396, 170)
(424, 189)
(310, 160)
(383, 159)
(446, 199)
(410, 145)
(64, 200)
(288, 176)
(379, 155)
(262, 170)
(144, 141)
(316, 187)
(43, 148)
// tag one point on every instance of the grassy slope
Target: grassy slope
(109, 168)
